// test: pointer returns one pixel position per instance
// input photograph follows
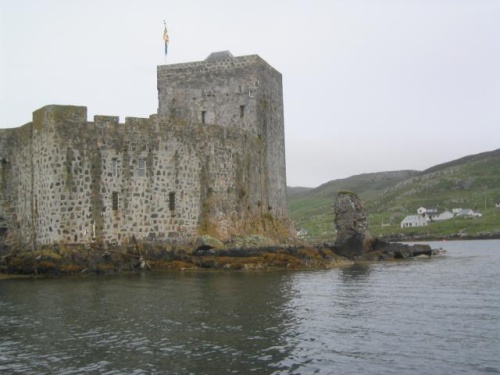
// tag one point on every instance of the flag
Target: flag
(165, 39)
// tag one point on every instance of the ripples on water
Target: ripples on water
(430, 316)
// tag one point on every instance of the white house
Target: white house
(423, 210)
(431, 215)
(468, 213)
(413, 221)
(445, 215)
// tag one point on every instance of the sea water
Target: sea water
(424, 316)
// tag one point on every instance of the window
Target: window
(115, 167)
(171, 201)
(141, 168)
(203, 117)
(242, 111)
(115, 201)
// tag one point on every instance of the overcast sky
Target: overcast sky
(369, 85)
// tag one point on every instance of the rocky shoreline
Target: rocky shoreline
(353, 243)
(70, 260)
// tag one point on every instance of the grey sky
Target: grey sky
(369, 85)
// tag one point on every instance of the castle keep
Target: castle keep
(211, 161)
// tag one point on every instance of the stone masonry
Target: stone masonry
(212, 161)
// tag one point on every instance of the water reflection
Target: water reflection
(354, 291)
(333, 301)
(192, 322)
(355, 272)
(438, 316)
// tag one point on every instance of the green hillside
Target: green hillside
(470, 182)
(312, 209)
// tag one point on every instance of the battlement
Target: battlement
(188, 170)
(52, 115)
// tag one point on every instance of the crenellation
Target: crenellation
(212, 161)
(106, 122)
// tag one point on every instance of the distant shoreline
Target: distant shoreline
(452, 237)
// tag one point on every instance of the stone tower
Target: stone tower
(212, 161)
(243, 93)
(240, 92)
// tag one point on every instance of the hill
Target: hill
(469, 182)
(295, 192)
(311, 209)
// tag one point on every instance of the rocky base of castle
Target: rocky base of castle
(96, 259)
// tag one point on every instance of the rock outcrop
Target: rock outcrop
(353, 237)
(354, 241)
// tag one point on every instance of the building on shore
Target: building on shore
(211, 161)
(412, 221)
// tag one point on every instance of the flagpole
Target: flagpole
(165, 35)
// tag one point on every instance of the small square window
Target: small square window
(141, 168)
(115, 201)
(171, 201)
(115, 167)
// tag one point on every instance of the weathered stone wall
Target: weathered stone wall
(171, 177)
(220, 91)
(244, 92)
(17, 187)
(271, 122)
(61, 170)
(5, 185)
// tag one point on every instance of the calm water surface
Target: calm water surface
(428, 316)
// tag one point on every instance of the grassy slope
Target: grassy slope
(469, 182)
(313, 210)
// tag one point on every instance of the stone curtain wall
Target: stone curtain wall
(113, 181)
(16, 190)
(63, 160)
(167, 178)
(155, 185)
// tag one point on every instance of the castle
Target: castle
(211, 161)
